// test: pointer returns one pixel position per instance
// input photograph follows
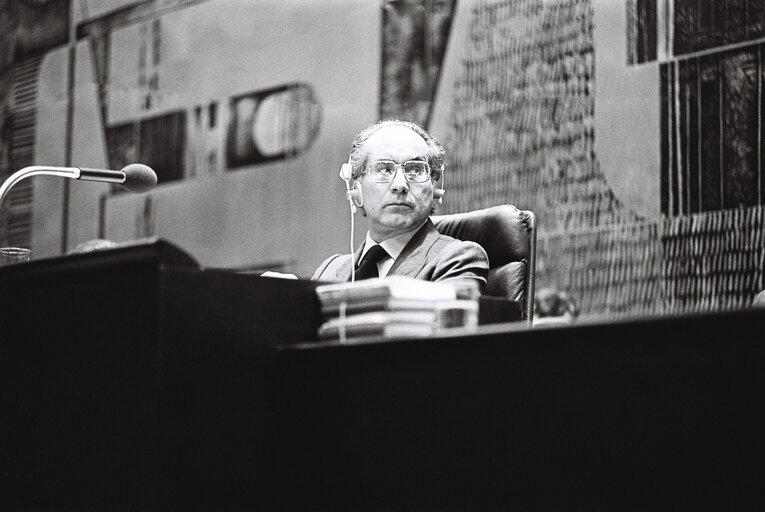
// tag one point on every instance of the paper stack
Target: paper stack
(396, 306)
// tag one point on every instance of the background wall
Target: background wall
(614, 121)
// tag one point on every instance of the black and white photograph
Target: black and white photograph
(382, 255)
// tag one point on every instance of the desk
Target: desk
(643, 414)
(135, 380)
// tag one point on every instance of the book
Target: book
(391, 304)
(406, 322)
(391, 328)
(395, 306)
(398, 287)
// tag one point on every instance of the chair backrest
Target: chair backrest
(509, 237)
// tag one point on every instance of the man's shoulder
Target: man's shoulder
(330, 267)
(450, 244)
(430, 238)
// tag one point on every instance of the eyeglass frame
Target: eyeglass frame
(428, 173)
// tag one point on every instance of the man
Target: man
(394, 166)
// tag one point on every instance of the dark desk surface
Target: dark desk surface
(638, 414)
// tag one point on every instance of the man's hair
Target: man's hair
(358, 159)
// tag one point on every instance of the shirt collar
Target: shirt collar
(393, 245)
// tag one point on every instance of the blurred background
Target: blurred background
(632, 128)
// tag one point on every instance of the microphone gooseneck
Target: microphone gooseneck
(36, 170)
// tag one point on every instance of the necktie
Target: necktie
(368, 265)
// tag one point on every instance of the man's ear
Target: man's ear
(355, 195)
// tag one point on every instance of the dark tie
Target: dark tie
(368, 265)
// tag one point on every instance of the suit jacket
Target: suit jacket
(429, 255)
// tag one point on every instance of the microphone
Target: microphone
(134, 177)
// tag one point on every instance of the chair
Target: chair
(509, 237)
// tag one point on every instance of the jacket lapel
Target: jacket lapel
(344, 270)
(414, 256)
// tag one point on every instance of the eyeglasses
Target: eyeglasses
(383, 171)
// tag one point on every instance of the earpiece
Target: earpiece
(355, 195)
(345, 171)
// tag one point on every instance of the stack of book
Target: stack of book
(394, 307)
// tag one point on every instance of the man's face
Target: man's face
(398, 206)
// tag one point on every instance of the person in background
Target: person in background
(553, 307)
(95, 244)
(391, 177)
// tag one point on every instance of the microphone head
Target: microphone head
(139, 178)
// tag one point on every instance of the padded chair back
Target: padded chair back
(509, 237)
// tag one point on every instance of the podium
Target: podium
(133, 379)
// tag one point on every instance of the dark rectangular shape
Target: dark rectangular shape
(706, 24)
(692, 153)
(646, 33)
(761, 128)
(711, 161)
(684, 143)
(40, 26)
(132, 380)
(122, 144)
(163, 145)
(735, 22)
(492, 310)
(645, 414)
(755, 10)
(414, 33)
(740, 101)
(684, 25)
